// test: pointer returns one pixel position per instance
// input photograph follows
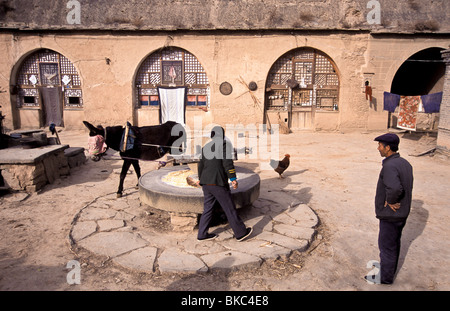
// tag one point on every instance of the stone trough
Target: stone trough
(184, 202)
(31, 163)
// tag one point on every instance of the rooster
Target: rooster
(280, 166)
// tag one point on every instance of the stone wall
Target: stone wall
(400, 16)
(443, 140)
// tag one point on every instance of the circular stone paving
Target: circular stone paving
(141, 238)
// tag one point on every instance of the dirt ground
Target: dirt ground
(334, 173)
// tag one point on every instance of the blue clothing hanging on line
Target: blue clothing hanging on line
(391, 101)
(432, 102)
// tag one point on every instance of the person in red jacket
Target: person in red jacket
(392, 204)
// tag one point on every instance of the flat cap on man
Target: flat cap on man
(389, 138)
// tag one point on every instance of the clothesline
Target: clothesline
(430, 102)
(409, 106)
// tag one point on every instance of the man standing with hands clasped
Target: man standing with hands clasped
(214, 169)
(392, 204)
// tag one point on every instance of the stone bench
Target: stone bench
(75, 156)
(32, 169)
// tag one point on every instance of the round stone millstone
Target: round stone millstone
(156, 193)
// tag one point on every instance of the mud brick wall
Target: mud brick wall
(443, 140)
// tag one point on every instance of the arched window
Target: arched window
(313, 75)
(46, 69)
(172, 67)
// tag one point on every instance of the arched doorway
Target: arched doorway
(421, 74)
(47, 84)
(299, 83)
(172, 73)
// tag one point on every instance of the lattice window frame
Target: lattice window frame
(310, 67)
(65, 71)
(150, 76)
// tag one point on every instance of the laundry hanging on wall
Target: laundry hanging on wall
(432, 102)
(407, 113)
(368, 92)
(172, 104)
(391, 101)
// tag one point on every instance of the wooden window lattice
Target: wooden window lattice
(302, 98)
(172, 55)
(323, 65)
(303, 72)
(48, 68)
(191, 74)
(49, 74)
(308, 67)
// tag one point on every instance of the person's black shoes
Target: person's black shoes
(212, 236)
(246, 235)
(209, 236)
(372, 280)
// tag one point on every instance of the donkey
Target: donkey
(150, 143)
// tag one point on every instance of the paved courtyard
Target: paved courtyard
(314, 230)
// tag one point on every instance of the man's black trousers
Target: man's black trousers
(389, 244)
(221, 195)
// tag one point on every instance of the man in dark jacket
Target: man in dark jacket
(214, 169)
(392, 203)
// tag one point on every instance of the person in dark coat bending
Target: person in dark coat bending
(215, 168)
(392, 204)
